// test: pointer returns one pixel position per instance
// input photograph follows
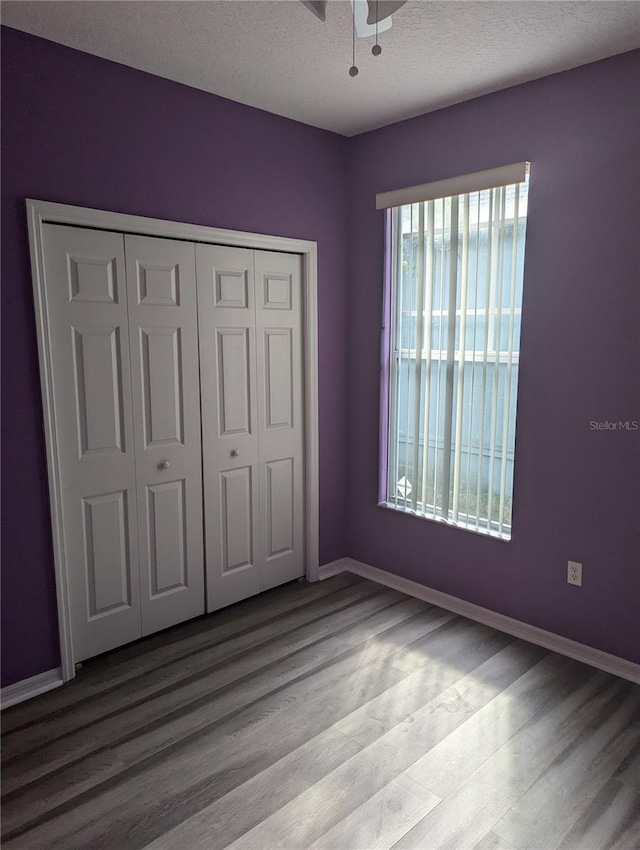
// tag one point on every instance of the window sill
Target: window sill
(504, 537)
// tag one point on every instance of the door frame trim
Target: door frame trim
(43, 212)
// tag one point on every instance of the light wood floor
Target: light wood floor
(337, 715)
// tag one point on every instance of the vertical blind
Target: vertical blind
(457, 273)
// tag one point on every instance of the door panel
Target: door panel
(161, 378)
(226, 307)
(93, 279)
(158, 285)
(89, 345)
(233, 377)
(107, 560)
(164, 360)
(166, 536)
(277, 289)
(279, 508)
(97, 377)
(280, 414)
(231, 286)
(278, 377)
(236, 537)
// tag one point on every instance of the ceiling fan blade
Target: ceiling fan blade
(318, 7)
(381, 9)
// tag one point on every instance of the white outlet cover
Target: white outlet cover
(574, 573)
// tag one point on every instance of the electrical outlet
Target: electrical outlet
(574, 573)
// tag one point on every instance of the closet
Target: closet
(176, 373)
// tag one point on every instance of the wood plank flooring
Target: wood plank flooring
(334, 716)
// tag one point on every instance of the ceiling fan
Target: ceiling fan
(370, 16)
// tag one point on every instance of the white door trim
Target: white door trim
(41, 212)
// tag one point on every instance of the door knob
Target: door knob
(235, 452)
(164, 465)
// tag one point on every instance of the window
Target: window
(456, 267)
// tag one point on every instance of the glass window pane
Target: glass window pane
(470, 375)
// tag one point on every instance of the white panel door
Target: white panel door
(251, 377)
(278, 280)
(227, 325)
(166, 392)
(89, 346)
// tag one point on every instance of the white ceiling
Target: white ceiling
(275, 55)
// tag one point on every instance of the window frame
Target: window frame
(391, 360)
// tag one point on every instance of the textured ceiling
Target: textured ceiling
(275, 55)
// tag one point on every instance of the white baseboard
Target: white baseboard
(564, 646)
(335, 568)
(32, 687)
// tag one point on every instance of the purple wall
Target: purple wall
(81, 130)
(577, 491)
(77, 129)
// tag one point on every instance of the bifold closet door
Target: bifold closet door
(161, 284)
(227, 326)
(124, 360)
(89, 352)
(249, 306)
